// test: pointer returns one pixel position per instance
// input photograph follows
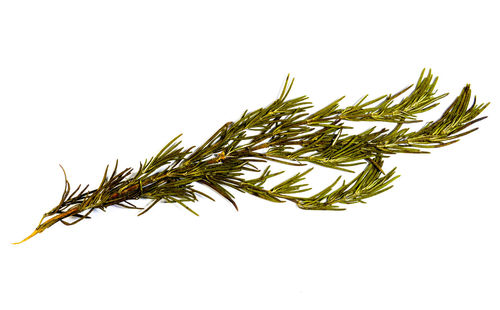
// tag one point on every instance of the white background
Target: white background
(85, 82)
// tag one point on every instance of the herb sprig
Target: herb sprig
(284, 132)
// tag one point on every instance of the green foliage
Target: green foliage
(284, 132)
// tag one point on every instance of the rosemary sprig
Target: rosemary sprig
(284, 132)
